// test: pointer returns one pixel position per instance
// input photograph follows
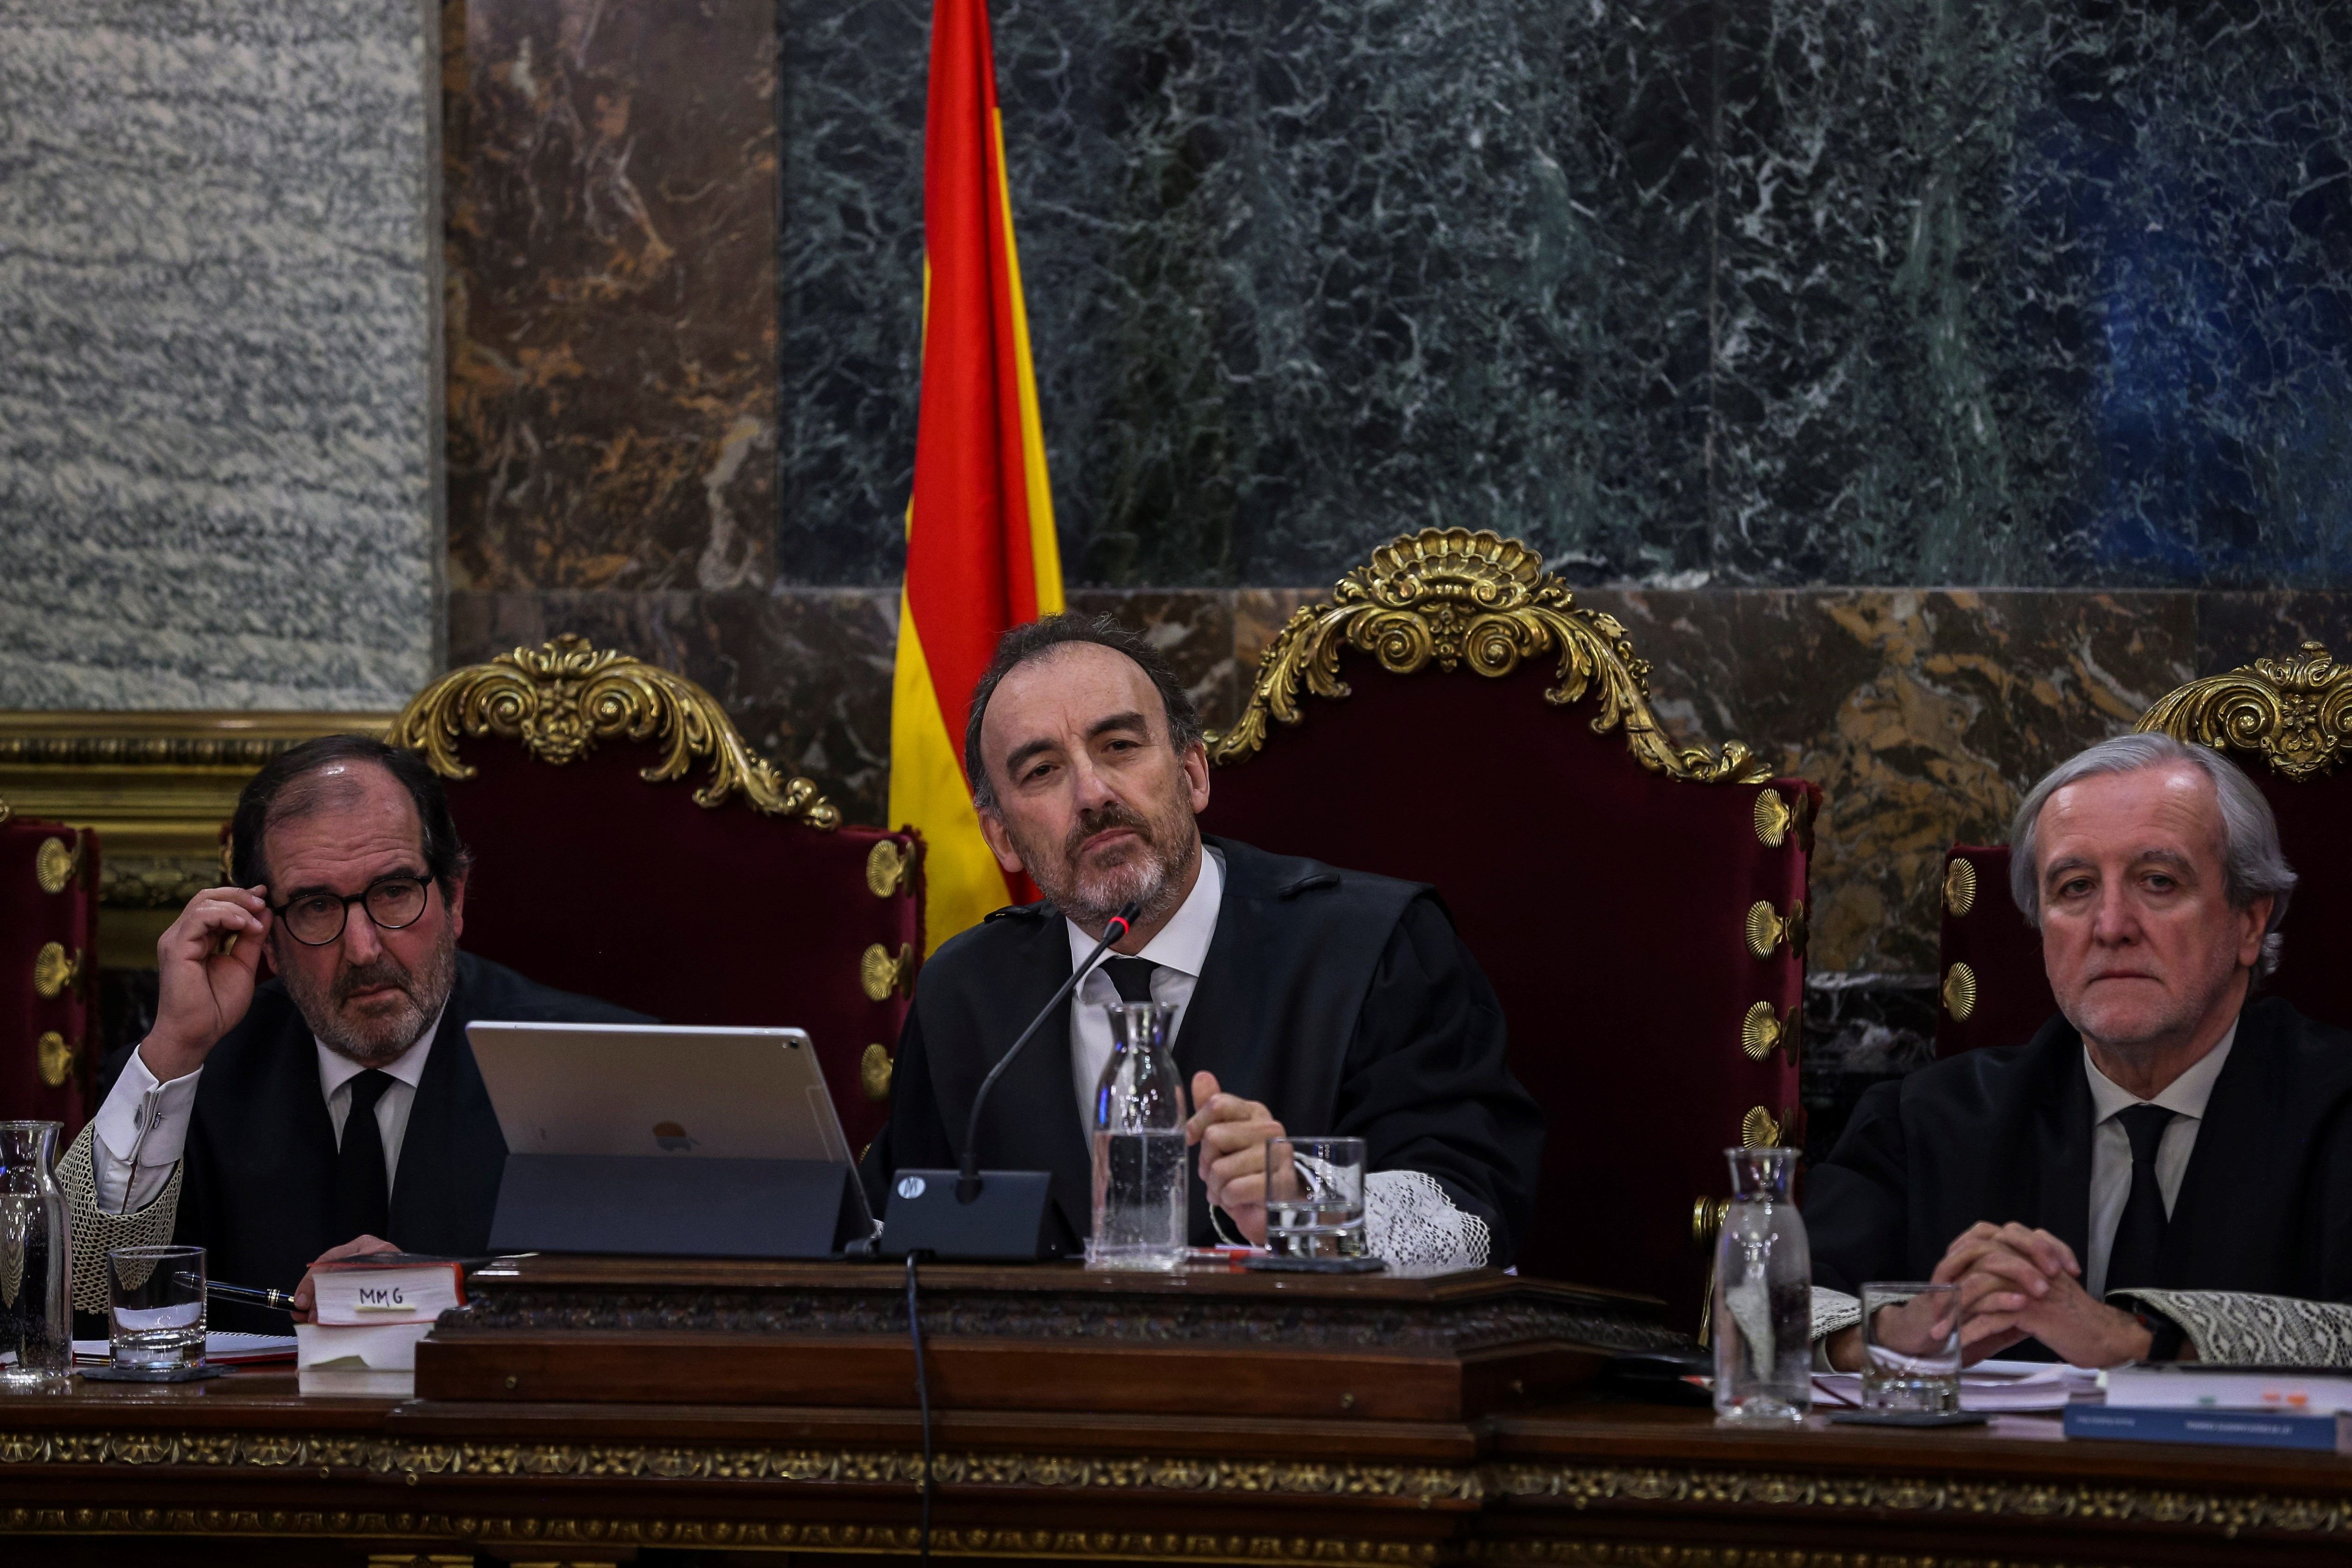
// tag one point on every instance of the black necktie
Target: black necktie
(2131, 1261)
(363, 1192)
(1132, 976)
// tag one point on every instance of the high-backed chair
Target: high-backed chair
(1453, 717)
(2288, 724)
(48, 937)
(630, 846)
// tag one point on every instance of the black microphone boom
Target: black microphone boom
(968, 1179)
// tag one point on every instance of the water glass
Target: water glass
(1314, 1197)
(155, 1306)
(1761, 1319)
(1911, 1347)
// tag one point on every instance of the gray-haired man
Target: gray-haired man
(2165, 1169)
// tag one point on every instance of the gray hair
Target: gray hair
(2251, 864)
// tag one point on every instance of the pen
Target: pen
(250, 1294)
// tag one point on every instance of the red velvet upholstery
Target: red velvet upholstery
(2004, 954)
(1606, 903)
(35, 859)
(591, 879)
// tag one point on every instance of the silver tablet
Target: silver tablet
(652, 1088)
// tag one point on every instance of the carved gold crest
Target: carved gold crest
(2296, 711)
(564, 697)
(1449, 597)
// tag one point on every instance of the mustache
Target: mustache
(1101, 820)
(366, 976)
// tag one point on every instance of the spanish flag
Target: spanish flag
(981, 555)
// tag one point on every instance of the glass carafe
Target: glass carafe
(1762, 1315)
(36, 1260)
(1140, 1196)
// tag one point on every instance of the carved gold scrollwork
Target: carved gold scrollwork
(889, 867)
(2296, 712)
(1959, 992)
(53, 864)
(53, 969)
(1960, 886)
(1449, 597)
(53, 1059)
(874, 1072)
(1767, 930)
(560, 700)
(1763, 1029)
(1757, 1130)
(882, 975)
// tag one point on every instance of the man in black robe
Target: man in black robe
(2165, 1169)
(334, 1109)
(1319, 1001)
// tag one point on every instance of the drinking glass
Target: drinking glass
(1762, 1315)
(1314, 1197)
(155, 1306)
(1911, 1347)
(35, 1263)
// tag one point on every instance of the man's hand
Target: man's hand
(306, 1296)
(1232, 1132)
(204, 965)
(2019, 1283)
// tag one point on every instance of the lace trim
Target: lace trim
(2240, 1329)
(96, 1234)
(1832, 1310)
(1412, 1224)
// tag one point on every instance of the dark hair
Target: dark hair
(1039, 638)
(263, 804)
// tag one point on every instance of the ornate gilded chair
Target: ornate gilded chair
(2286, 722)
(737, 898)
(48, 939)
(1639, 908)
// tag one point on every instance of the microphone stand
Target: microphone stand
(968, 1182)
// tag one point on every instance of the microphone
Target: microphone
(968, 1179)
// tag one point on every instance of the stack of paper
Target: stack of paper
(368, 1315)
(1989, 1385)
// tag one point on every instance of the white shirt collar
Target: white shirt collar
(1182, 944)
(335, 1069)
(2184, 1096)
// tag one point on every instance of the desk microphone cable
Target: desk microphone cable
(923, 1401)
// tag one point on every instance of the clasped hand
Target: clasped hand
(1232, 1133)
(2019, 1283)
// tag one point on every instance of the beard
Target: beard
(381, 1033)
(1148, 872)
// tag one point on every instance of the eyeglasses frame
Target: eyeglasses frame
(360, 899)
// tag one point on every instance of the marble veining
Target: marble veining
(1747, 292)
(217, 343)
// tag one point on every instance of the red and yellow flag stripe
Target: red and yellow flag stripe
(980, 551)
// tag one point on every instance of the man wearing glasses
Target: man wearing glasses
(335, 1107)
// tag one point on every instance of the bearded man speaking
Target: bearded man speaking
(1310, 1001)
(336, 1107)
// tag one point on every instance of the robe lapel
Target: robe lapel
(2056, 1156)
(2254, 1138)
(426, 1183)
(1032, 1120)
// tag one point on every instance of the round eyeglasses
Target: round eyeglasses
(314, 919)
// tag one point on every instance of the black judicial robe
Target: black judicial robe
(258, 1183)
(1343, 1002)
(2001, 1136)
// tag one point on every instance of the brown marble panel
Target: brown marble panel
(1194, 627)
(1922, 715)
(2237, 628)
(805, 673)
(610, 179)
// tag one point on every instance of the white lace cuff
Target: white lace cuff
(2240, 1329)
(1413, 1226)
